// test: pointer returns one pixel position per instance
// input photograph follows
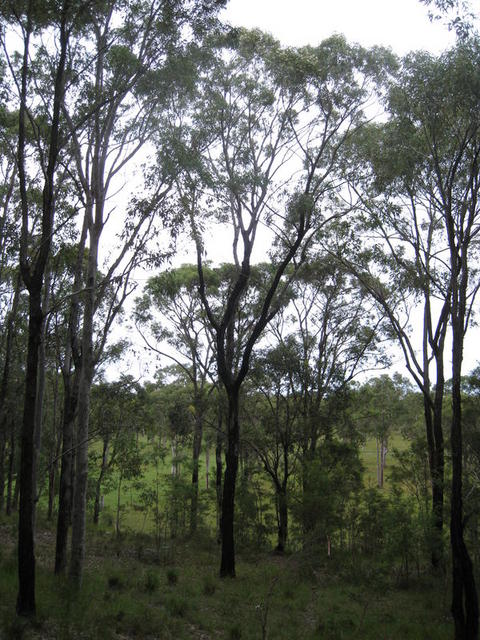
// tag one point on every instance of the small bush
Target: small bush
(235, 632)
(151, 582)
(177, 607)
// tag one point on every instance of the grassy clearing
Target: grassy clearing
(128, 593)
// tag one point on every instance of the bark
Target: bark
(3, 443)
(26, 554)
(119, 506)
(464, 591)
(86, 377)
(218, 479)
(207, 464)
(11, 468)
(98, 488)
(197, 444)
(71, 382)
(282, 520)
(33, 276)
(10, 326)
(227, 566)
(65, 493)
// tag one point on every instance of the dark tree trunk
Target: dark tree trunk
(197, 444)
(3, 452)
(26, 554)
(218, 478)
(227, 566)
(464, 591)
(70, 401)
(282, 520)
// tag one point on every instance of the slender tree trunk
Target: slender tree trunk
(227, 566)
(65, 493)
(282, 520)
(218, 478)
(11, 468)
(3, 452)
(207, 464)
(98, 487)
(86, 377)
(464, 591)
(71, 383)
(41, 372)
(119, 506)
(10, 325)
(197, 445)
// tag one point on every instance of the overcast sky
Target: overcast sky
(400, 24)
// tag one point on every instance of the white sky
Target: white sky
(401, 24)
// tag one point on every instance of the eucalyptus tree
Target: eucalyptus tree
(440, 100)
(130, 55)
(396, 252)
(259, 150)
(427, 165)
(37, 219)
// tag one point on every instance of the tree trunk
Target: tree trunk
(11, 468)
(207, 464)
(71, 383)
(3, 452)
(282, 520)
(227, 566)
(197, 444)
(10, 324)
(65, 493)
(218, 478)
(119, 495)
(98, 488)
(86, 377)
(464, 592)
(26, 553)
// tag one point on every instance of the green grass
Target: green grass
(133, 518)
(297, 596)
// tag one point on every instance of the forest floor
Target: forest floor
(131, 590)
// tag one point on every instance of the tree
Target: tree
(434, 108)
(35, 243)
(259, 107)
(120, 96)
